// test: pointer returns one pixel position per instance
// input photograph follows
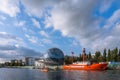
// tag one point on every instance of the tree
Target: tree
(101, 59)
(79, 58)
(96, 57)
(115, 52)
(109, 55)
(104, 55)
(89, 56)
(118, 59)
(67, 59)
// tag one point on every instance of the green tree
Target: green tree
(97, 55)
(109, 55)
(115, 53)
(112, 58)
(118, 59)
(104, 55)
(67, 59)
(100, 59)
(80, 57)
(89, 56)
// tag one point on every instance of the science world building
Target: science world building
(53, 56)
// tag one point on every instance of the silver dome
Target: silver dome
(55, 55)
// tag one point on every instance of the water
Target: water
(35, 74)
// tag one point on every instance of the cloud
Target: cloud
(113, 19)
(8, 39)
(10, 7)
(32, 39)
(37, 41)
(2, 17)
(36, 7)
(2, 60)
(20, 23)
(9, 51)
(43, 33)
(48, 22)
(27, 36)
(77, 19)
(105, 5)
(47, 41)
(12, 47)
(74, 43)
(36, 23)
(110, 38)
(74, 19)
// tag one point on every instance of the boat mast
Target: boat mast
(84, 54)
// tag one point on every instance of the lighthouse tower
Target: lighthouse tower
(84, 54)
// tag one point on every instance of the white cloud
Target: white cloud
(47, 41)
(9, 7)
(105, 5)
(74, 43)
(9, 51)
(36, 7)
(27, 36)
(8, 39)
(48, 22)
(43, 33)
(113, 19)
(33, 39)
(2, 17)
(13, 47)
(36, 23)
(20, 23)
(37, 41)
(2, 60)
(75, 18)
(110, 38)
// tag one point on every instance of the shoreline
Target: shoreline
(110, 67)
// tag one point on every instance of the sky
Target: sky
(31, 27)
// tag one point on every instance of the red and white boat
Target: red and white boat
(86, 65)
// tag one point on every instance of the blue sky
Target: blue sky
(31, 27)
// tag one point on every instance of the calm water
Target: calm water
(33, 74)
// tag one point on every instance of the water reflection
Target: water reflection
(84, 75)
(33, 74)
(56, 75)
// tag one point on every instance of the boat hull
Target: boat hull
(45, 69)
(95, 66)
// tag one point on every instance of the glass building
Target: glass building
(54, 56)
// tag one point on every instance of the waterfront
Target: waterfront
(36, 74)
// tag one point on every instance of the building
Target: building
(52, 57)
(29, 61)
(14, 61)
(39, 63)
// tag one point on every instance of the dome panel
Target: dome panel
(56, 55)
